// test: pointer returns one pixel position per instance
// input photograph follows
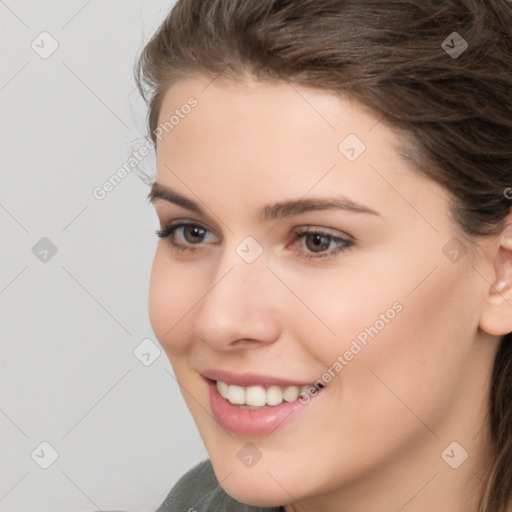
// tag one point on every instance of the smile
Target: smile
(257, 397)
(258, 405)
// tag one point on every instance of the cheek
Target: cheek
(398, 320)
(332, 310)
(420, 357)
(172, 294)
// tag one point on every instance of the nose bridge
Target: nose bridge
(238, 304)
(239, 280)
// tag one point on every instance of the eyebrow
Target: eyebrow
(270, 211)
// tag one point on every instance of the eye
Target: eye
(316, 241)
(192, 233)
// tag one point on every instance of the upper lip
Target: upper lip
(251, 379)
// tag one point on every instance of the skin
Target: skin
(372, 439)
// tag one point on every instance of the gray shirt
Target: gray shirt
(199, 491)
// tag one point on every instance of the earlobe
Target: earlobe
(496, 317)
(500, 286)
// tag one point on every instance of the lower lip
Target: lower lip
(253, 422)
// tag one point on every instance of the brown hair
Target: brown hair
(399, 58)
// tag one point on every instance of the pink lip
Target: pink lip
(251, 379)
(257, 422)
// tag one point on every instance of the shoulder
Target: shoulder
(199, 491)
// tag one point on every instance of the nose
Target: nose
(240, 308)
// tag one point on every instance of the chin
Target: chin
(263, 495)
(254, 486)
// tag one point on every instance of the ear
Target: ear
(496, 317)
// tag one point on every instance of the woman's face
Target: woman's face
(380, 301)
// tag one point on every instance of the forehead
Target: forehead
(276, 103)
(274, 124)
(280, 139)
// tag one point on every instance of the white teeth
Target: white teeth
(236, 395)
(274, 395)
(253, 397)
(304, 391)
(291, 393)
(223, 389)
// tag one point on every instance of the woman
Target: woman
(333, 283)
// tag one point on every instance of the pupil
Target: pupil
(195, 230)
(318, 241)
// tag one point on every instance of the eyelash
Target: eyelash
(168, 230)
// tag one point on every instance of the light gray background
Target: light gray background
(69, 325)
